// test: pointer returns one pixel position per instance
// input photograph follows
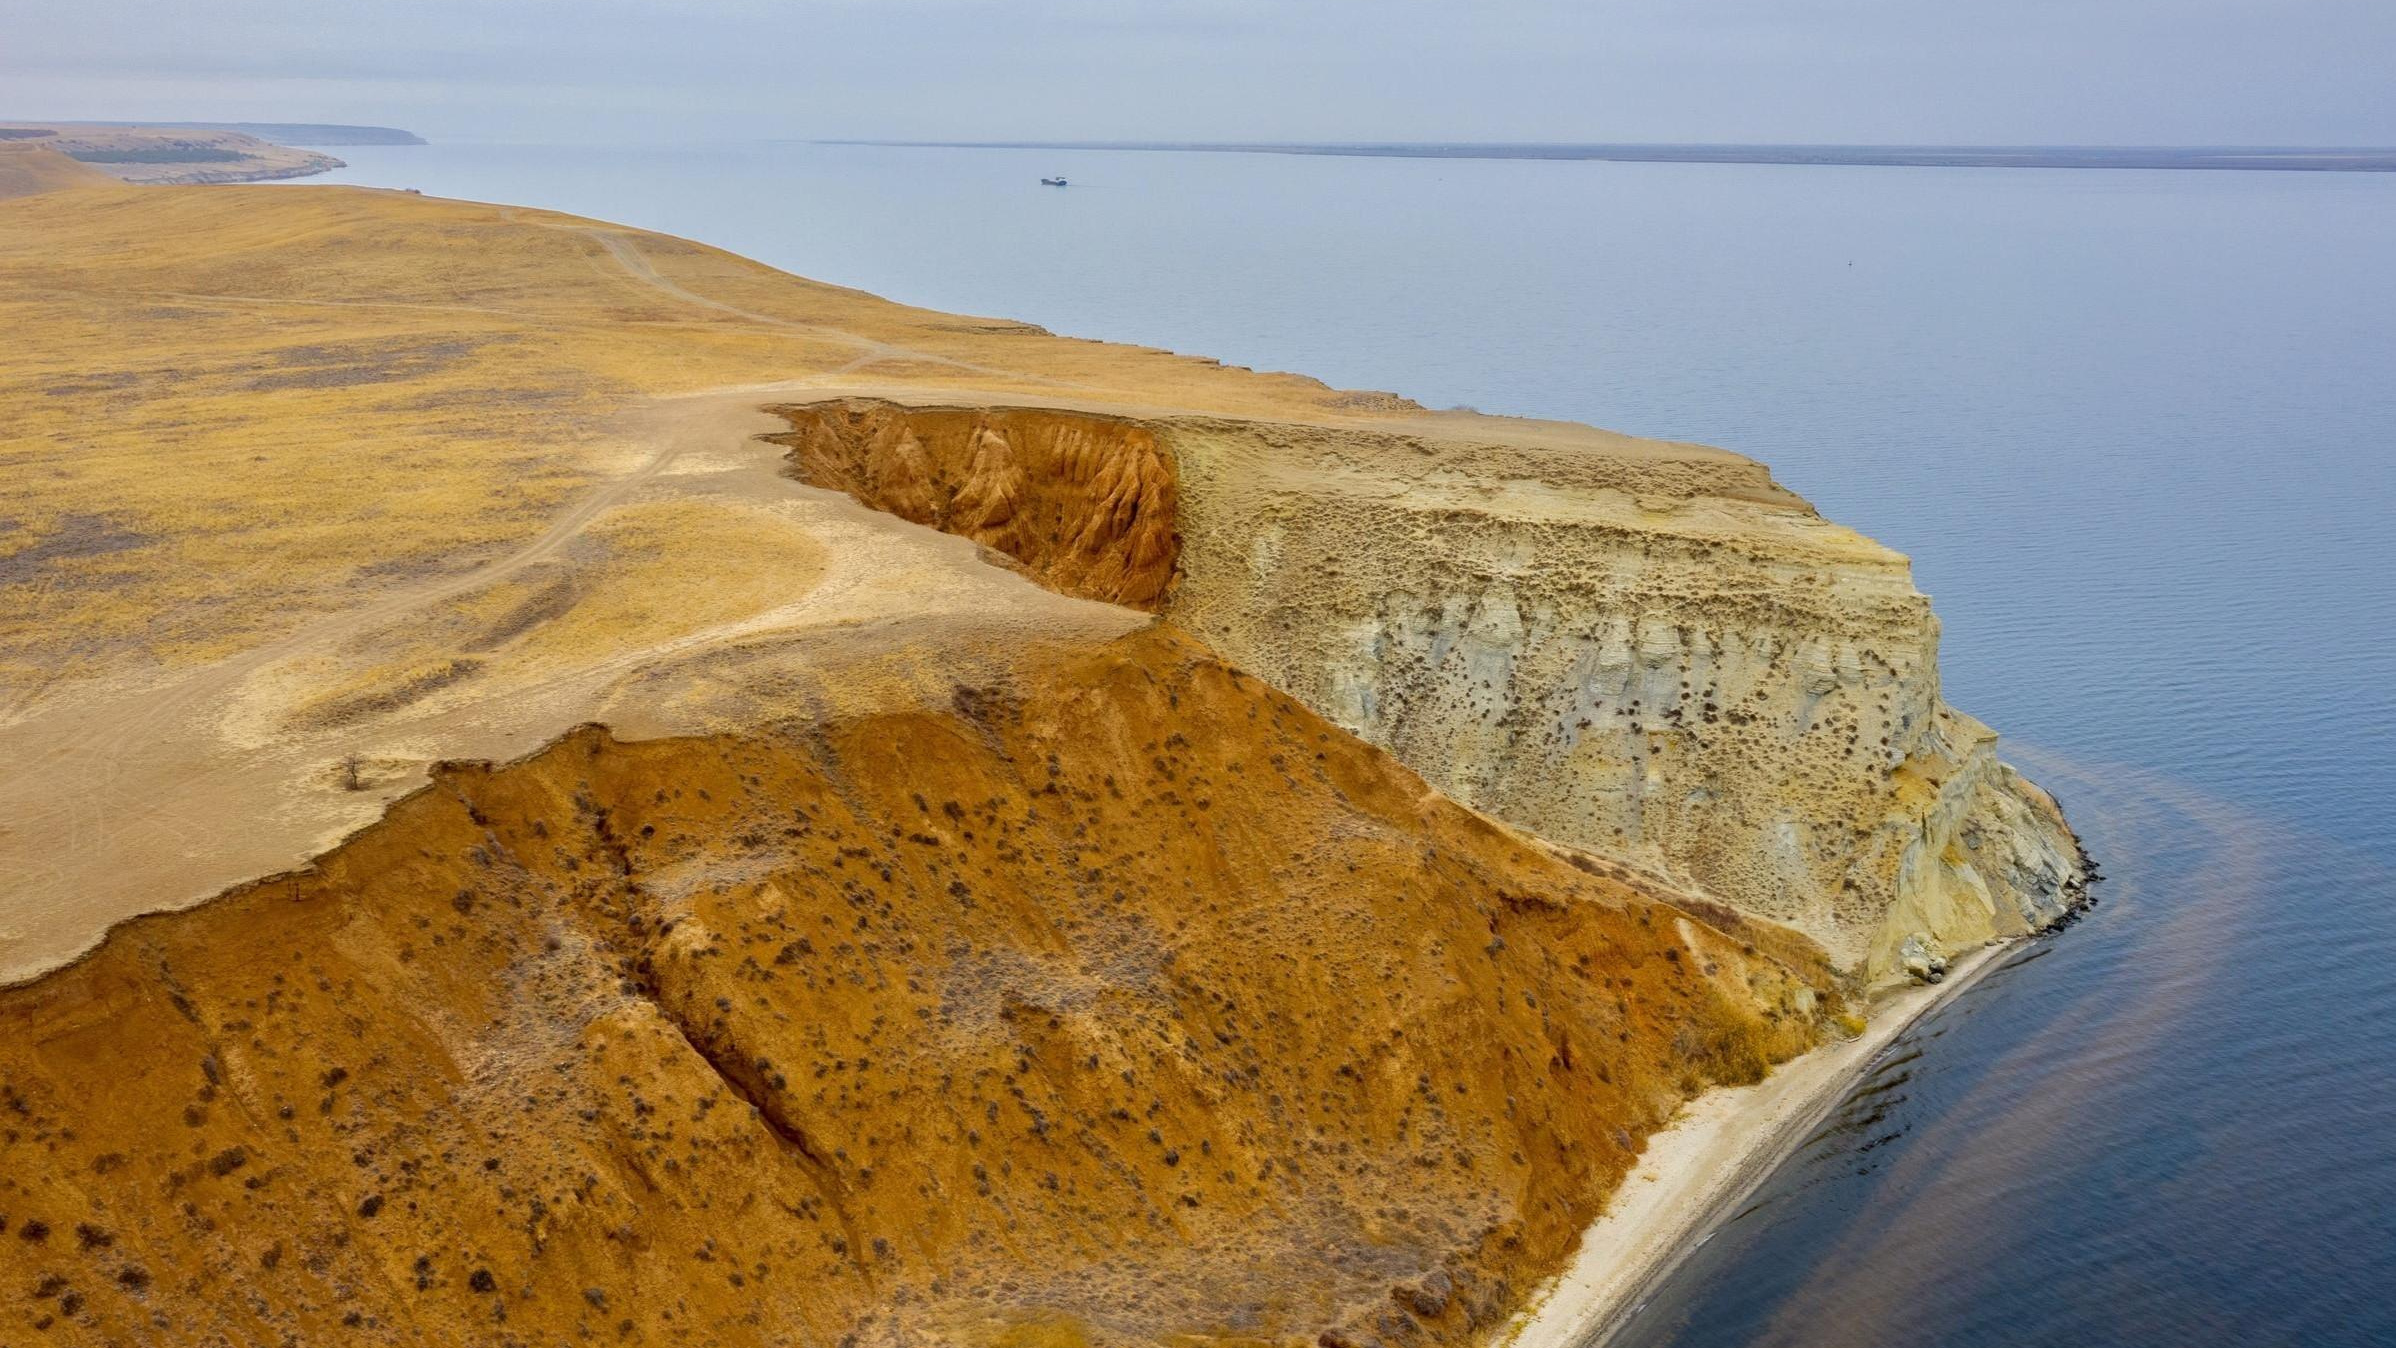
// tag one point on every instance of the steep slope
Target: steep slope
(1654, 652)
(1128, 1003)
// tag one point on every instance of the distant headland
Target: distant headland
(203, 152)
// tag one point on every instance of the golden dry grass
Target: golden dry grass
(258, 435)
(277, 398)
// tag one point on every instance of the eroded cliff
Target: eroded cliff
(1655, 653)
(1126, 1003)
(1085, 503)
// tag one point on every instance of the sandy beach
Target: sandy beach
(1712, 1158)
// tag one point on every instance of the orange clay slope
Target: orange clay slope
(1123, 1002)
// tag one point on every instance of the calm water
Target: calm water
(2138, 431)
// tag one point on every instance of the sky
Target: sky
(2124, 72)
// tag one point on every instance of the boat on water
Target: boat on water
(1053, 182)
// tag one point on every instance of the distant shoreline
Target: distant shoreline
(297, 134)
(185, 154)
(2285, 159)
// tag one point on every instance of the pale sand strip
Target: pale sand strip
(1697, 1171)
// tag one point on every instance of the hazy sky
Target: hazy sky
(1986, 71)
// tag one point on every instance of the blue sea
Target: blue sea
(2137, 430)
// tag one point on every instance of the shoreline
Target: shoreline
(1712, 1157)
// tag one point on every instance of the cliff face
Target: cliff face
(1126, 1003)
(1085, 503)
(1659, 655)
